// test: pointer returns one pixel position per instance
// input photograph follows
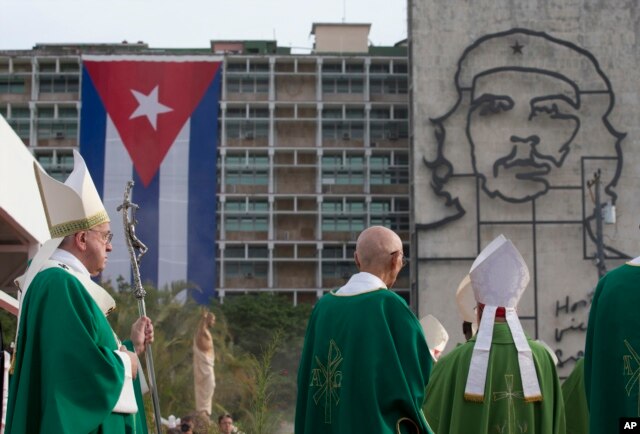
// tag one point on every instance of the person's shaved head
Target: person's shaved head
(374, 250)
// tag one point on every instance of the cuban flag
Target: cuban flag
(154, 119)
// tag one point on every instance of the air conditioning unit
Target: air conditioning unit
(59, 135)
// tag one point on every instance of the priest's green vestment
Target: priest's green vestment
(612, 350)
(503, 409)
(364, 367)
(67, 378)
(575, 401)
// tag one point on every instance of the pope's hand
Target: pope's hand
(141, 334)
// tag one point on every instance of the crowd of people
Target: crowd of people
(202, 425)
(365, 366)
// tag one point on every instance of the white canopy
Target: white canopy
(23, 226)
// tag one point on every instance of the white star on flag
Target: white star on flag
(149, 106)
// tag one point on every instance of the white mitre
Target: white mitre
(73, 206)
(466, 302)
(436, 335)
(70, 207)
(498, 277)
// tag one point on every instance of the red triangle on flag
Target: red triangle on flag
(149, 103)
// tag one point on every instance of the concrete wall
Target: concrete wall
(341, 38)
(566, 95)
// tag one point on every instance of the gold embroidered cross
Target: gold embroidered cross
(510, 396)
(634, 375)
(332, 380)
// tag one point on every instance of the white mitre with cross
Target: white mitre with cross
(498, 277)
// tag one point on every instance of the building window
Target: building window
(58, 163)
(69, 67)
(393, 222)
(67, 112)
(247, 129)
(332, 113)
(258, 251)
(393, 214)
(385, 172)
(334, 127)
(57, 129)
(342, 84)
(338, 252)
(340, 269)
(347, 171)
(352, 68)
(332, 252)
(242, 206)
(400, 112)
(247, 176)
(389, 130)
(344, 130)
(389, 85)
(47, 66)
(252, 160)
(259, 67)
(342, 223)
(250, 252)
(343, 215)
(21, 127)
(237, 67)
(247, 270)
(11, 85)
(59, 84)
(246, 223)
(332, 67)
(248, 84)
(340, 207)
(379, 68)
(19, 120)
(400, 68)
(234, 252)
(380, 206)
(18, 112)
(247, 169)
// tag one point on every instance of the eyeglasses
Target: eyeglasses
(405, 261)
(107, 236)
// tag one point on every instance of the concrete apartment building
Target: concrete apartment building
(313, 148)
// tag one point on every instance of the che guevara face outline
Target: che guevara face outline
(520, 126)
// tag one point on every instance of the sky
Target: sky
(191, 23)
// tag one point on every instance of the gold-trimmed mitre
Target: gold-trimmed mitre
(73, 206)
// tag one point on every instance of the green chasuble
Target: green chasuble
(612, 351)
(364, 367)
(67, 378)
(575, 401)
(503, 410)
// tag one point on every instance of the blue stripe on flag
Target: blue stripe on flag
(201, 237)
(148, 216)
(93, 127)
